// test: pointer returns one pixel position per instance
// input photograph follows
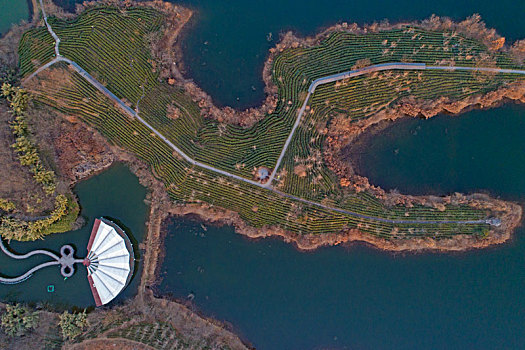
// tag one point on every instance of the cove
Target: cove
(12, 12)
(226, 44)
(482, 150)
(115, 193)
(356, 297)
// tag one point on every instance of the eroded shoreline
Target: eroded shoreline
(161, 208)
(169, 49)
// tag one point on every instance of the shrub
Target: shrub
(6, 205)
(73, 324)
(59, 220)
(17, 320)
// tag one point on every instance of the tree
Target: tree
(73, 324)
(7, 90)
(29, 158)
(17, 320)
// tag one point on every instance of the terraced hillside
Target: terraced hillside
(113, 46)
(358, 99)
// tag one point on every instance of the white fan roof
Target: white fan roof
(109, 263)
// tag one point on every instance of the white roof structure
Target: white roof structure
(109, 262)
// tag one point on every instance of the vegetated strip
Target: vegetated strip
(340, 76)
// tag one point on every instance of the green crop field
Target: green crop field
(113, 46)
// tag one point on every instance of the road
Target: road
(324, 80)
(331, 79)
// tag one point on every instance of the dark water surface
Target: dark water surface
(12, 12)
(116, 193)
(478, 150)
(358, 297)
(349, 298)
(226, 43)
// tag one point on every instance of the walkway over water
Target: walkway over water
(109, 262)
(66, 261)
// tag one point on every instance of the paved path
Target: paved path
(28, 255)
(45, 66)
(128, 110)
(22, 278)
(367, 70)
(311, 90)
(66, 260)
(490, 221)
(331, 79)
(28, 274)
(50, 30)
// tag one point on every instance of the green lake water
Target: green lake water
(116, 194)
(12, 12)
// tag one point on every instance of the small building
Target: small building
(110, 261)
(262, 174)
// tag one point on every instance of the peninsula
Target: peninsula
(114, 69)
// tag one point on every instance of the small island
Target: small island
(111, 83)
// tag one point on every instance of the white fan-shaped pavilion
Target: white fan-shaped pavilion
(109, 261)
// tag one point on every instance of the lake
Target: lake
(356, 297)
(478, 150)
(348, 297)
(12, 12)
(226, 44)
(117, 194)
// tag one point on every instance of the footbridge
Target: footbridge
(66, 260)
(110, 261)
